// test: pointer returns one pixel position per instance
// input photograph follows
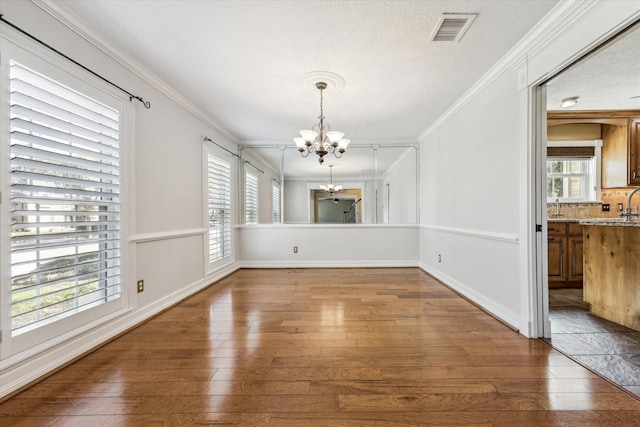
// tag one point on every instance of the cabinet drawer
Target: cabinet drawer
(556, 228)
(575, 229)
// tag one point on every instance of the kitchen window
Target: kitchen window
(571, 179)
(574, 171)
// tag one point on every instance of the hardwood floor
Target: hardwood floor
(324, 347)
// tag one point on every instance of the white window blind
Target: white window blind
(250, 198)
(65, 201)
(219, 212)
(277, 218)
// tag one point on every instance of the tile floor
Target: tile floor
(606, 348)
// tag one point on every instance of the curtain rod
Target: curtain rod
(131, 96)
(206, 138)
(255, 167)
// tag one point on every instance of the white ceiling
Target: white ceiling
(607, 79)
(241, 62)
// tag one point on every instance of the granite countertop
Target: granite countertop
(563, 219)
(610, 222)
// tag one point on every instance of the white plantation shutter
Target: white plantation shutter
(219, 207)
(65, 201)
(251, 198)
(276, 202)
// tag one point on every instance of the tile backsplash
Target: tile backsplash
(612, 196)
(577, 210)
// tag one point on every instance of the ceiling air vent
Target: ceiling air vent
(452, 26)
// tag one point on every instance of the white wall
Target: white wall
(398, 191)
(328, 245)
(164, 204)
(296, 202)
(477, 167)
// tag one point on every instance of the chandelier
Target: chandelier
(330, 188)
(321, 139)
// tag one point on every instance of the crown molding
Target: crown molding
(564, 15)
(74, 23)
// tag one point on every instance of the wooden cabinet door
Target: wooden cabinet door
(575, 249)
(557, 261)
(633, 169)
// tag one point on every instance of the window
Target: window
(65, 200)
(277, 218)
(219, 207)
(571, 179)
(250, 198)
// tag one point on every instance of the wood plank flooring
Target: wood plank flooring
(324, 347)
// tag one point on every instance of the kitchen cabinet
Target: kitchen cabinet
(565, 255)
(634, 151)
(621, 142)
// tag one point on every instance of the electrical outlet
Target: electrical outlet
(140, 286)
(295, 249)
(606, 207)
(439, 258)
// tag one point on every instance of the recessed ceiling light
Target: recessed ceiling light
(569, 102)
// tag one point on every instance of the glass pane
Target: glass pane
(575, 187)
(575, 166)
(555, 187)
(555, 167)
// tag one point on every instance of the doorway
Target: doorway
(602, 108)
(342, 207)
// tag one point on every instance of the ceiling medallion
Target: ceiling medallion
(334, 82)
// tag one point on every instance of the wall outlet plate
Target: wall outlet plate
(606, 207)
(140, 286)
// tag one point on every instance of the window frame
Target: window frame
(276, 202)
(596, 165)
(209, 149)
(251, 197)
(587, 179)
(17, 48)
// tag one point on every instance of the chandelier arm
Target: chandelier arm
(321, 144)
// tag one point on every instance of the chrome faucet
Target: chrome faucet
(628, 214)
(558, 214)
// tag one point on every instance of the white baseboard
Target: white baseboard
(499, 312)
(329, 264)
